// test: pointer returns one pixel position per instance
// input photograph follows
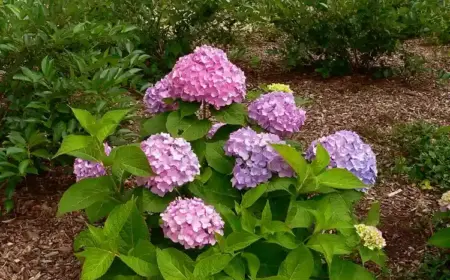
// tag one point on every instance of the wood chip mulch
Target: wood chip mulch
(34, 243)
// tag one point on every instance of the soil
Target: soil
(35, 244)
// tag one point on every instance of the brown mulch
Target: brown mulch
(34, 243)
(372, 108)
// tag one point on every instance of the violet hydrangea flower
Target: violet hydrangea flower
(215, 127)
(90, 169)
(172, 160)
(206, 75)
(277, 113)
(347, 150)
(256, 160)
(191, 223)
(154, 97)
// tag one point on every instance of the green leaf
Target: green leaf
(253, 264)
(173, 123)
(333, 212)
(139, 266)
(298, 265)
(84, 193)
(23, 166)
(73, 143)
(229, 216)
(218, 189)
(145, 251)
(321, 161)
(205, 175)
(216, 158)
(329, 245)
(134, 229)
(126, 221)
(339, 178)
(108, 123)
(194, 129)
(299, 215)
(100, 209)
(150, 202)
(86, 120)
(199, 148)
(132, 159)
(251, 196)
(173, 264)
(273, 278)
(377, 256)
(294, 159)
(96, 263)
(266, 217)
(346, 270)
(188, 108)
(373, 217)
(441, 238)
(240, 240)
(277, 184)
(154, 125)
(284, 239)
(211, 265)
(248, 221)
(41, 153)
(236, 114)
(236, 269)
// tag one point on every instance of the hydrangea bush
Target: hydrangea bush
(231, 200)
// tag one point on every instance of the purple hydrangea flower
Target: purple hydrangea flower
(347, 150)
(277, 113)
(172, 160)
(154, 97)
(206, 75)
(191, 223)
(90, 169)
(214, 129)
(256, 160)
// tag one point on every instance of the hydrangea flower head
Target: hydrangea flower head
(90, 169)
(191, 223)
(172, 160)
(371, 236)
(347, 150)
(256, 160)
(154, 97)
(214, 129)
(206, 75)
(279, 87)
(277, 113)
(444, 202)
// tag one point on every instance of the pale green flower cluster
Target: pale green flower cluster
(279, 87)
(444, 202)
(371, 236)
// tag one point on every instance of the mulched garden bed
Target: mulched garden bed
(34, 244)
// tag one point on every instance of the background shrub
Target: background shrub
(426, 152)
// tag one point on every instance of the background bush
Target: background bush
(426, 152)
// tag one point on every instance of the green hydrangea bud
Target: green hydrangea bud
(371, 236)
(444, 202)
(279, 87)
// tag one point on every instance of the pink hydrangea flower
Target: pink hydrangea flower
(90, 169)
(277, 113)
(172, 160)
(206, 75)
(214, 129)
(154, 97)
(191, 223)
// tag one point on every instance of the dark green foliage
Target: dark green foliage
(426, 152)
